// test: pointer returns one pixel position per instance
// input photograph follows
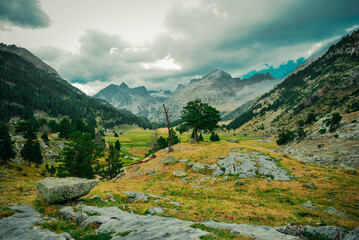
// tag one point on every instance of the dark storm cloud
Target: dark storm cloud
(237, 36)
(22, 13)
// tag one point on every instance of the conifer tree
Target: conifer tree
(36, 154)
(6, 150)
(200, 116)
(114, 164)
(118, 145)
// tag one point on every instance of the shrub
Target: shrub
(285, 137)
(214, 137)
(322, 131)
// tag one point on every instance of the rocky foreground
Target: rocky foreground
(22, 225)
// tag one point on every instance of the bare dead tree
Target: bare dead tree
(169, 129)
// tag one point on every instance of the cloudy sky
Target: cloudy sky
(161, 43)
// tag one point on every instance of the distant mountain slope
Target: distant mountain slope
(136, 100)
(28, 56)
(220, 90)
(329, 84)
(26, 88)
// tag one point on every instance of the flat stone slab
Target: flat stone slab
(62, 189)
(22, 226)
(113, 220)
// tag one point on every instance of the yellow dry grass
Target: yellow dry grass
(259, 202)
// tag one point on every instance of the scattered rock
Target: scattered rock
(155, 210)
(311, 185)
(170, 160)
(179, 173)
(198, 167)
(190, 163)
(192, 140)
(184, 160)
(347, 169)
(233, 140)
(136, 196)
(62, 189)
(26, 194)
(151, 172)
(335, 212)
(330, 232)
(184, 180)
(238, 183)
(309, 205)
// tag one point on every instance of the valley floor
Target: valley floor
(202, 196)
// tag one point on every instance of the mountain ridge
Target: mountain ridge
(27, 88)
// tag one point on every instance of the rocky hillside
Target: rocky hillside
(329, 84)
(220, 90)
(27, 88)
(136, 100)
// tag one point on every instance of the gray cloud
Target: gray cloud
(22, 13)
(237, 36)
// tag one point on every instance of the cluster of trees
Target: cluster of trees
(80, 158)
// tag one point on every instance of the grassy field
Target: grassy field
(258, 201)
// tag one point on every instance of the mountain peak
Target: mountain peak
(123, 85)
(261, 77)
(218, 73)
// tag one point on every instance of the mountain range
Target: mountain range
(217, 88)
(137, 100)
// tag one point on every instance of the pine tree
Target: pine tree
(114, 164)
(118, 145)
(200, 138)
(65, 128)
(175, 138)
(26, 151)
(36, 154)
(45, 137)
(200, 116)
(6, 150)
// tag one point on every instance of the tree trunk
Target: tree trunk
(169, 129)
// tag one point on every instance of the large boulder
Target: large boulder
(56, 190)
(233, 140)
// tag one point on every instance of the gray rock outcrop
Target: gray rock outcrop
(56, 190)
(247, 164)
